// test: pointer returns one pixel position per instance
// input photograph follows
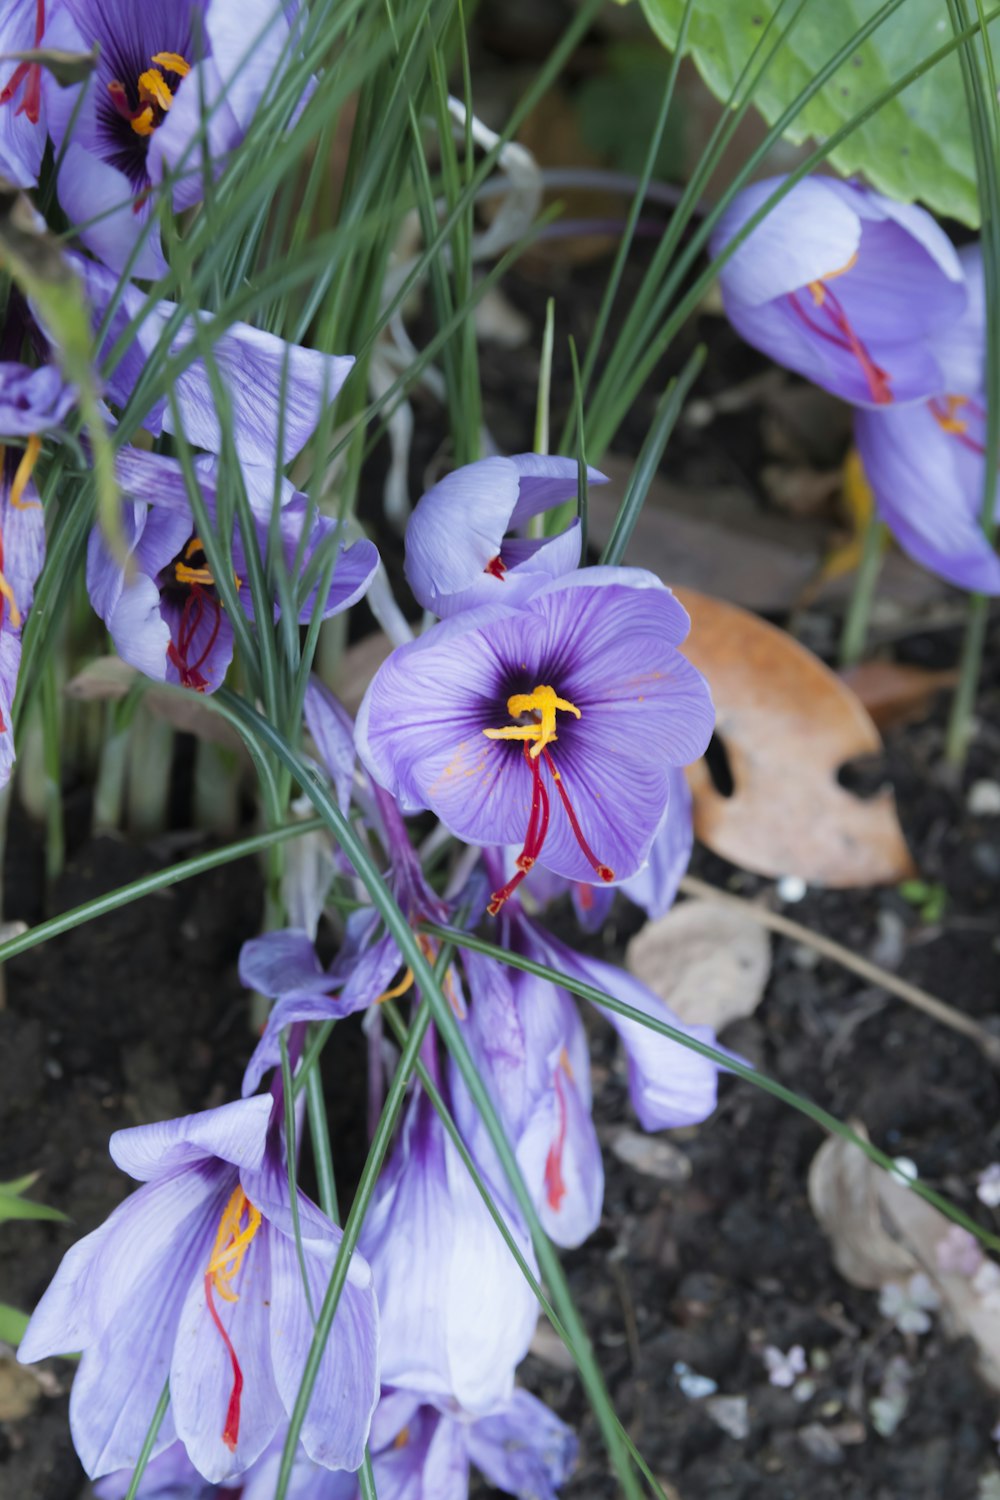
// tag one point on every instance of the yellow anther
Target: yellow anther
(543, 701)
(23, 473)
(948, 420)
(397, 989)
(818, 288)
(7, 593)
(154, 89)
(232, 1242)
(143, 123)
(173, 62)
(203, 575)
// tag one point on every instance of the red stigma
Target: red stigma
(843, 336)
(194, 608)
(496, 567)
(555, 1184)
(231, 1431)
(31, 104)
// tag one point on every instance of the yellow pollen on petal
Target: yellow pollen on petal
(23, 473)
(232, 1242)
(948, 420)
(543, 701)
(173, 62)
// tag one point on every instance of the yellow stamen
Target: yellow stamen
(232, 1243)
(948, 420)
(819, 290)
(543, 701)
(6, 592)
(173, 62)
(184, 574)
(154, 89)
(23, 473)
(397, 989)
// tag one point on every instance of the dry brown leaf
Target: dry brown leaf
(708, 963)
(358, 666)
(788, 725)
(108, 679)
(881, 1231)
(894, 693)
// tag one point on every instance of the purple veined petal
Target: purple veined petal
(529, 564)
(32, 401)
(190, 133)
(672, 621)
(201, 640)
(928, 485)
(267, 1053)
(23, 531)
(169, 1476)
(22, 140)
(961, 346)
(154, 477)
(546, 480)
(225, 1431)
(140, 634)
(395, 1410)
(252, 365)
(63, 1321)
(355, 565)
(95, 195)
(896, 291)
(918, 224)
(332, 729)
(308, 1481)
(430, 1463)
(523, 1449)
(250, 47)
(367, 974)
(236, 1133)
(280, 961)
(654, 887)
(592, 903)
(457, 528)
(101, 286)
(10, 665)
(560, 1157)
(809, 235)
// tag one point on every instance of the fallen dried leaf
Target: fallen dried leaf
(108, 679)
(788, 725)
(708, 962)
(894, 693)
(19, 1390)
(882, 1232)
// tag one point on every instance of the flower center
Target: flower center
(828, 319)
(537, 730)
(239, 1223)
(191, 577)
(153, 93)
(496, 567)
(30, 74)
(946, 412)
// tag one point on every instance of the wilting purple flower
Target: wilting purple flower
(456, 1313)
(168, 620)
(32, 400)
(22, 553)
(195, 1278)
(161, 64)
(458, 552)
(926, 463)
(844, 286)
(552, 726)
(22, 123)
(274, 388)
(531, 1051)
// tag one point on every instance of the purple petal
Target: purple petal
(22, 142)
(809, 234)
(280, 961)
(545, 481)
(429, 1463)
(267, 1053)
(332, 729)
(560, 1157)
(250, 46)
(94, 194)
(197, 134)
(458, 527)
(32, 400)
(523, 1449)
(10, 665)
(308, 1481)
(234, 1132)
(655, 886)
(169, 1476)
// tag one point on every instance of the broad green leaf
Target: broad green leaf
(12, 1324)
(918, 145)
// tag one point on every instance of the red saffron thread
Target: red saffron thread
(231, 1431)
(555, 1184)
(844, 337)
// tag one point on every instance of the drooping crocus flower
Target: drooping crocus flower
(275, 389)
(22, 553)
(162, 65)
(842, 285)
(551, 727)
(926, 463)
(531, 1051)
(458, 552)
(22, 115)
(32, 401)
(196, 1279)
(168, 620)
(457, 1314)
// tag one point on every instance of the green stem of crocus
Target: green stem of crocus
(854, 639)
(960, 718)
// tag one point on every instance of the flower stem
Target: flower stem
(960, 719)
(854, 638)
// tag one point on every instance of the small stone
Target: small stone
(821, 1444)
(983, 800)
(731, 1414)
(651, 1155)
(790, 889)
(694, 1386)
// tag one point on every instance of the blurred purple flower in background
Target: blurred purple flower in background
(22, 114)
(22, 553)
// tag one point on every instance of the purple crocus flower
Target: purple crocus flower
(457, 1314)
(160, 64)
(168, 620)
(552, 726)
(32, 400)
(844, 286)
(926, 462)
(275, 388)
(22, 553)
(169, 1476)
(196, 1278)
(22, 117)
(458, 552)
(530, 1048)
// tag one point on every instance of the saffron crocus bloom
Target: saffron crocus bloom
(195, 1278)
(22, 553)
(530, 1049)
(926, 463)
(842, 285)
(168, 620)
(275, 388)
(32, 400)
(160, 64)
(551, 727)
(457, 1314)
(22, 122)
(458, 552)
